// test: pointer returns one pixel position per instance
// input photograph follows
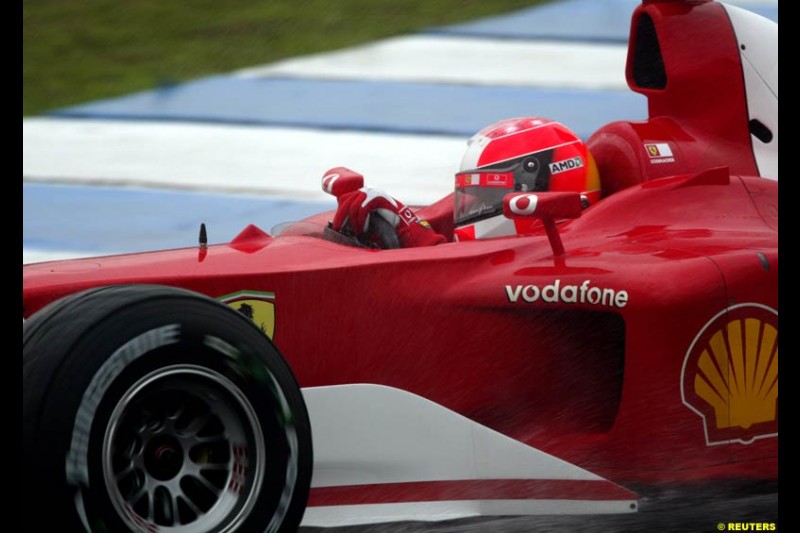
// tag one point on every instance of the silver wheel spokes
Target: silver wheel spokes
(183, 453)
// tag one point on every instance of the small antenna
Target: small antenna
(203, 236)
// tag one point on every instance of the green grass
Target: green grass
(80, 50)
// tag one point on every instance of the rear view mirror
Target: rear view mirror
(541, 205)
(545, 206)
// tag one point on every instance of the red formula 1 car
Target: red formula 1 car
(553, 372)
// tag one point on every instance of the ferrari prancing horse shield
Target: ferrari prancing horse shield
(257, 306)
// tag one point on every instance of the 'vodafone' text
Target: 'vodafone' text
(555, 293)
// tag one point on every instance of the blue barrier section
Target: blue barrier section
(363, 105)
(569, 20)
(112, 219)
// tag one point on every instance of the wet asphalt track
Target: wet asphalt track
(692, 510)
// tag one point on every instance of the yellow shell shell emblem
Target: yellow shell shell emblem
(257, 306)
(730, 375)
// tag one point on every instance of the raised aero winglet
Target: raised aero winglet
(713, 69)
(383, 454)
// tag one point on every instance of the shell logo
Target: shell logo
(730, 375)
(257, 306)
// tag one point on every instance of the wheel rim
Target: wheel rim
(183, 452)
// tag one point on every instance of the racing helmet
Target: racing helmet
(524, 154)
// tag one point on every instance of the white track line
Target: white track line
(460, 60)
(277, 161)
(32, 255)
(747, 3)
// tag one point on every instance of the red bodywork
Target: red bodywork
(595, 356)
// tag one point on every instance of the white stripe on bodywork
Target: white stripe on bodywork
(344, 515)
(759, 37)
(366, 434)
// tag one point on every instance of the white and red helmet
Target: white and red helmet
(524, 154)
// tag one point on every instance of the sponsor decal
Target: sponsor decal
(659, 153)
(730, 375)
(566, 164)
(425, 224)
(467, 180)
(524, 204)
(503, 180)
(407, 215)
(257, 306)
(328, 181)
(557, 292)
(498, 180)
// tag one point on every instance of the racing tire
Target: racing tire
(151, 408)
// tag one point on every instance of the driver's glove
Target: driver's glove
(357, 206)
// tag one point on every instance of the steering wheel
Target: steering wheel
(380, 234)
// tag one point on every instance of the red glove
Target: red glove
(357, 206)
